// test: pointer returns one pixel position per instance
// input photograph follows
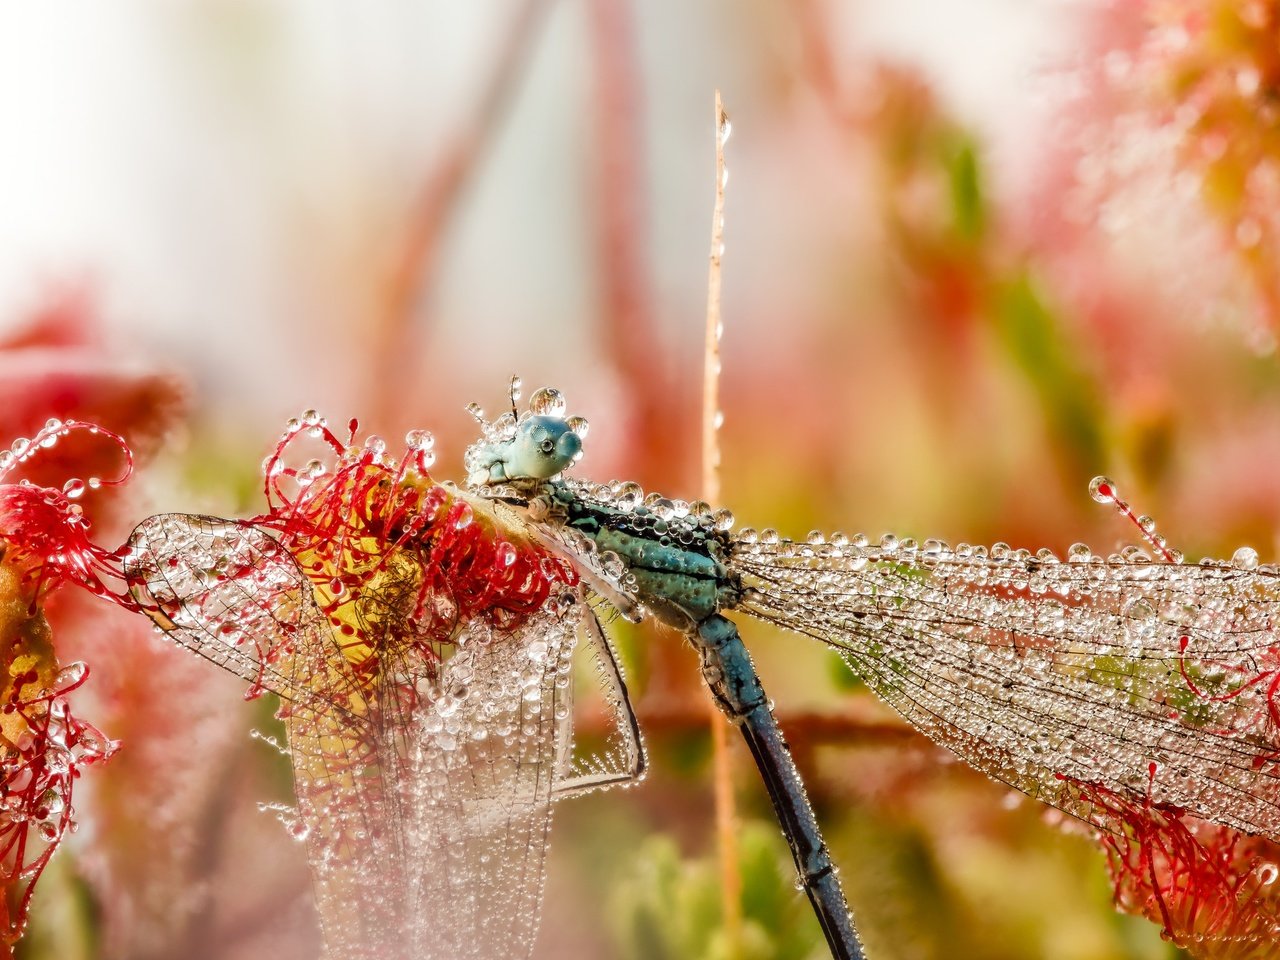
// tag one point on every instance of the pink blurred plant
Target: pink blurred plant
(1216, 73)
(164, 831)
(44, 535)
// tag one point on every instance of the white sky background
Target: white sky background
(209, 166)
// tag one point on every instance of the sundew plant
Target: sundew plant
(974, 256)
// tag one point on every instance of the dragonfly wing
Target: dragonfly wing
(620, 758)
(598, 571)
(429, 817)
(229, 592)
(1154, 680)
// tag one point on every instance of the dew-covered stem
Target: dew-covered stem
(722, 773)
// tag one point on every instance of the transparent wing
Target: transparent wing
(618, 757)
(600, 572)
(423, 781)
(229, 592)
(429, 817)
(1156, 680)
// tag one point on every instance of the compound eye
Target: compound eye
(547, 446)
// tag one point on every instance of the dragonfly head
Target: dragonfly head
(532, 446)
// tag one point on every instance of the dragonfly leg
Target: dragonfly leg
(629, 744)
(731, 675)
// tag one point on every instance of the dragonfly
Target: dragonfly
(422, 638)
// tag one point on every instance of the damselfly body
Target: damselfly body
(422, 638)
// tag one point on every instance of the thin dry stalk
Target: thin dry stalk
(722, 773)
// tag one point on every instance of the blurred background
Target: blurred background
(977, 253)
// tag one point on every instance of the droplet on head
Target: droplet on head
(547, 402)
(579, 426)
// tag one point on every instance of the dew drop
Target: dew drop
(1102, 490)
(629, 495)
(464, 518)
(662, 508)
(419, 440)
(1079, 553)
(725, 128)
(547, 402)
(71, 675)
(1246, 558)
(73, 489)
(579, 426)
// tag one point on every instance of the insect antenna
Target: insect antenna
(514, 393)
